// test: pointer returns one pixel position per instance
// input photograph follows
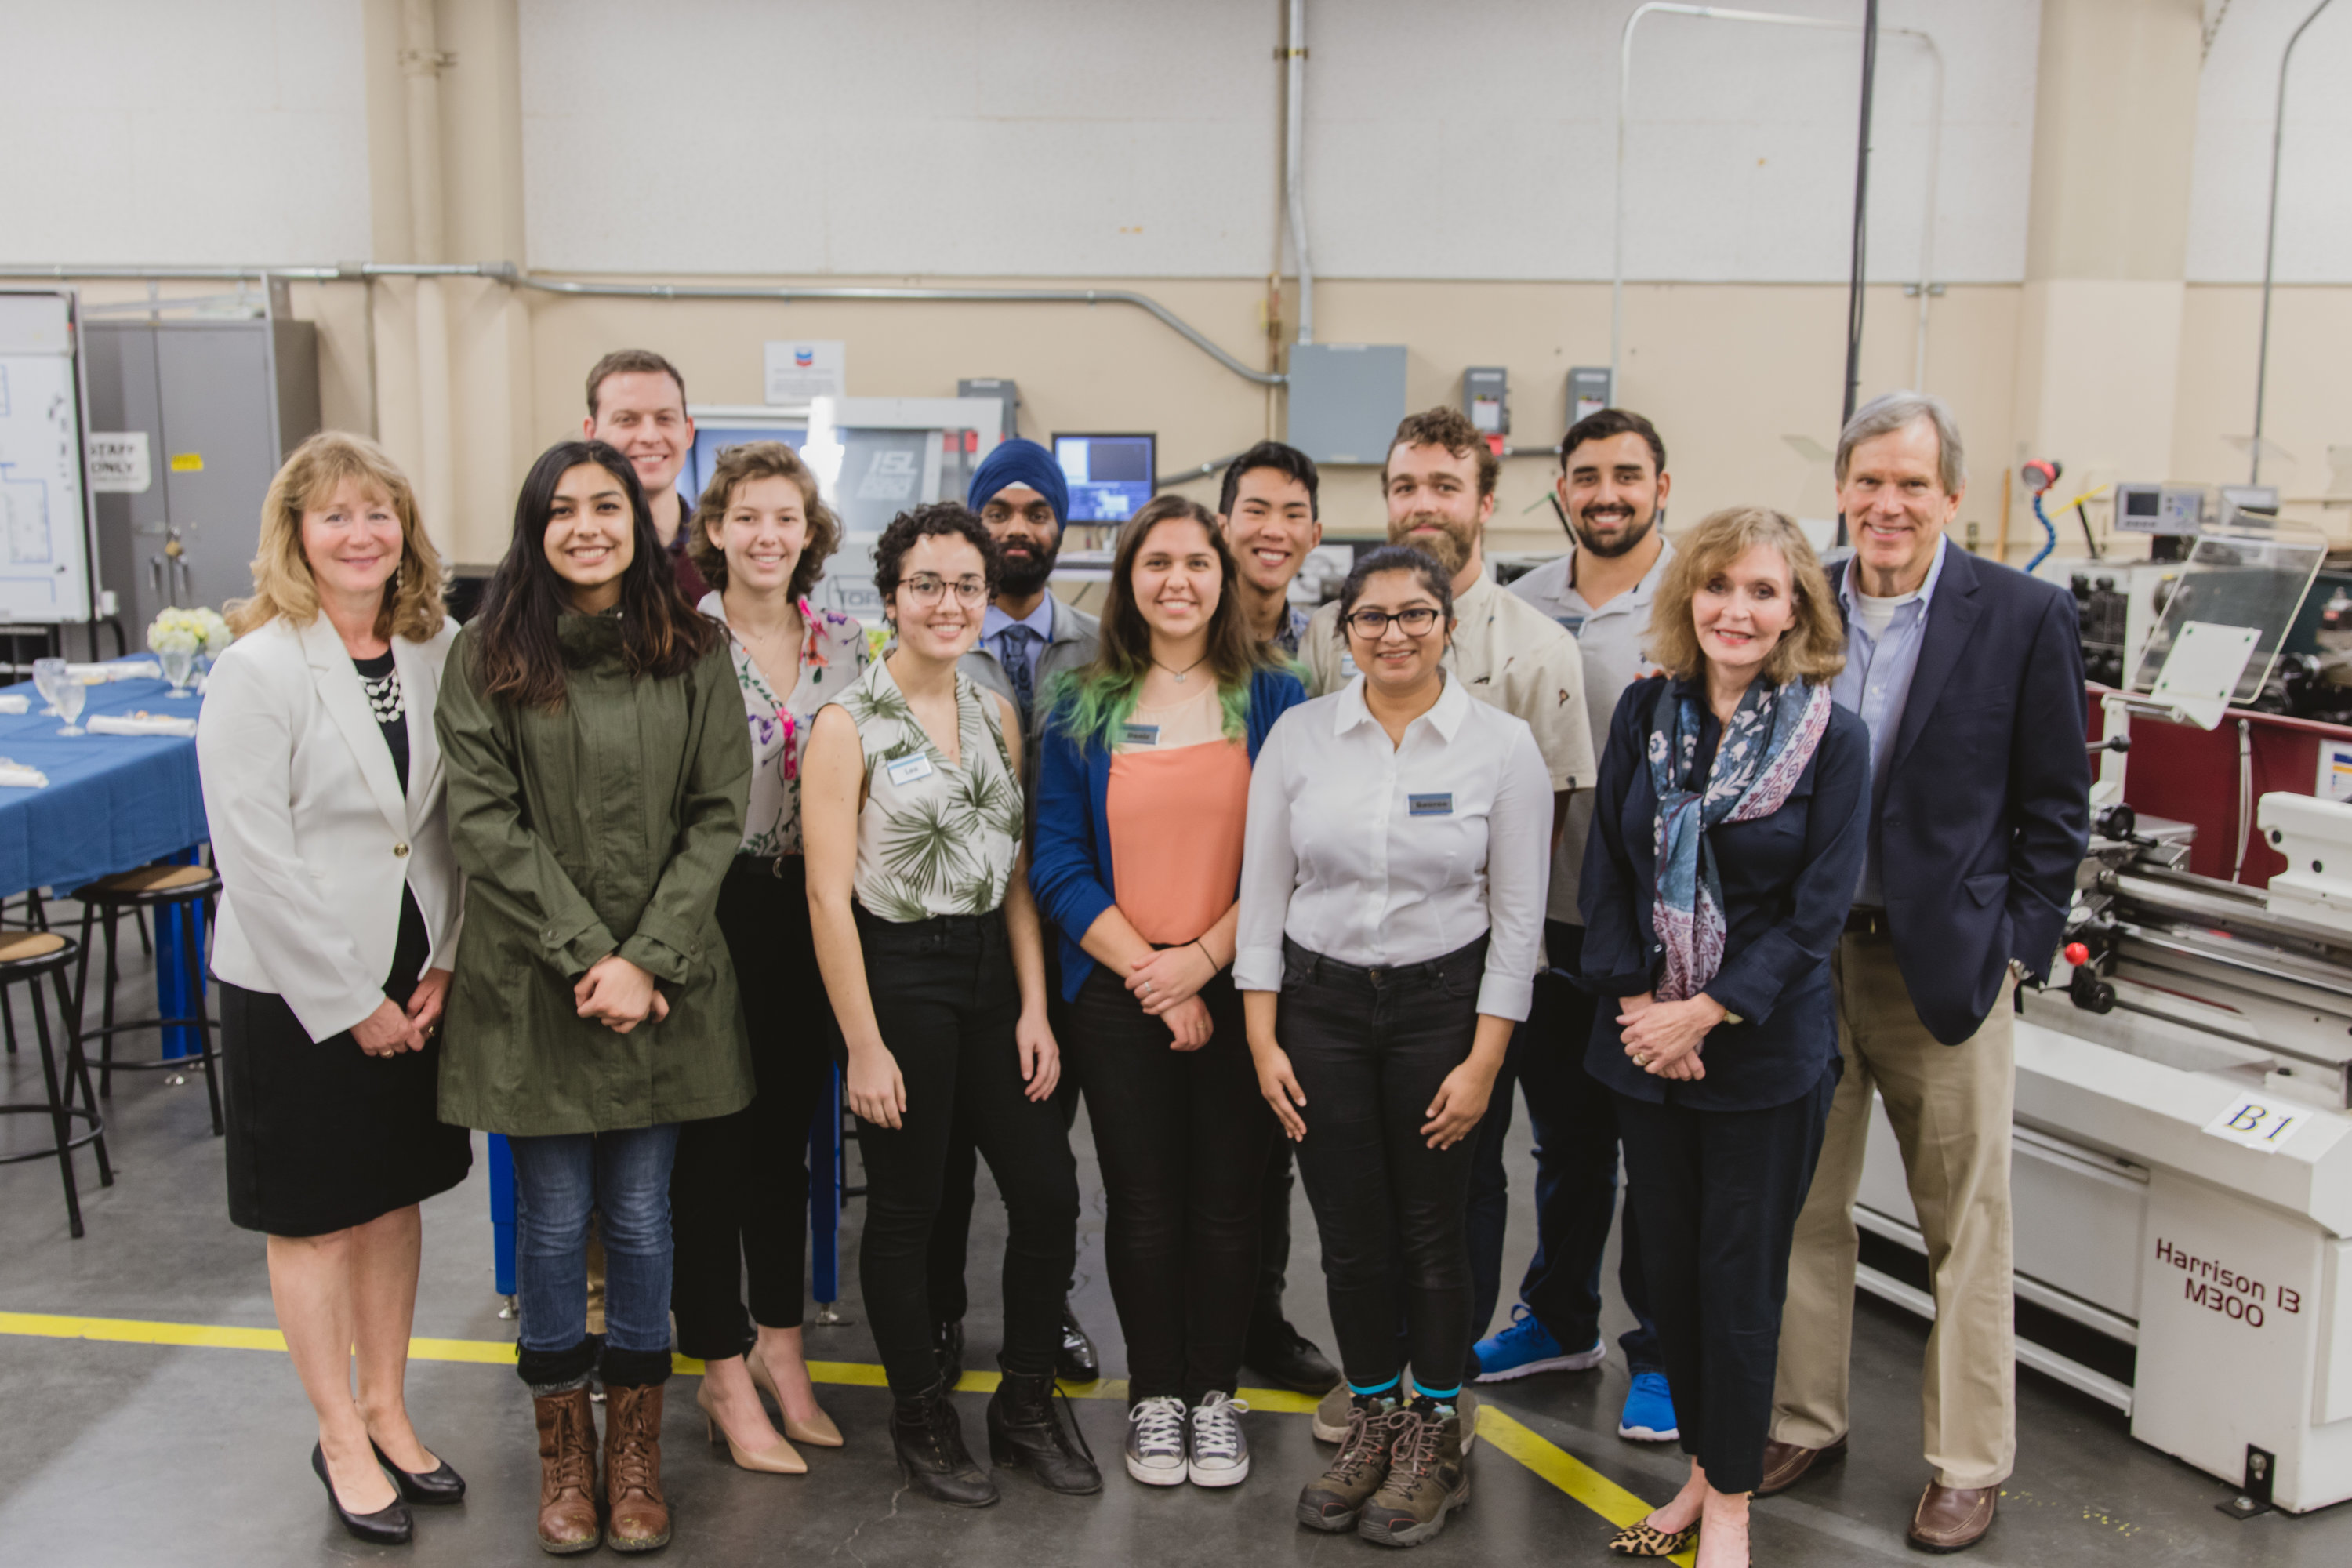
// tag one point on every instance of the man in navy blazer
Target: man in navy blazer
(1969, 675)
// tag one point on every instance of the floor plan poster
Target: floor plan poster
(44, 553)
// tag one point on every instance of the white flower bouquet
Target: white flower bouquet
(181, 637)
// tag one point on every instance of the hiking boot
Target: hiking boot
(1333, 1501)
(567, 1472)
(638, 1515)
(1427, 1478)
(927, 1435)
(1023, 1432)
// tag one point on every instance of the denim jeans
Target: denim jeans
(623, 1178)
(1574, 1118)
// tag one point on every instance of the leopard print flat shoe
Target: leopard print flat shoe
(1646, 1540)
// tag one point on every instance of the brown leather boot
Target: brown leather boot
(567, 1472)
(639, 1518)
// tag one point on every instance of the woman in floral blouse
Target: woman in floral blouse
(739, 1195)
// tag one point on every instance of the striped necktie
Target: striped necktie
(1018, 664)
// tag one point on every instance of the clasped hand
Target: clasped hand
(393, 1028)
(618, 994)
(1663, 1038)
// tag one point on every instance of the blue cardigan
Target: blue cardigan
(1069, 861)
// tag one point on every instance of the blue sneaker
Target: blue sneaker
(1649, 1415)
(1525, 1347)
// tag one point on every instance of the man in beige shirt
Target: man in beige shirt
(1439, 481)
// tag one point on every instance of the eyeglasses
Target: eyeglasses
(924, 588)
(1372, 625)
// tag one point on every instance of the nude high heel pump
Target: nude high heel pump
(820, 1433)
(779, 1461)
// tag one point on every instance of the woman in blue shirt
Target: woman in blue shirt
(1727, 836)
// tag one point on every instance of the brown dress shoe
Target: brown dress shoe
(567, 1473)
(638, 1518)
(1952, 1519)
(1785, 1464)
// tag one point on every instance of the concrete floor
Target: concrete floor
(119, 1453)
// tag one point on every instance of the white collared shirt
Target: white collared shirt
(1380, 855)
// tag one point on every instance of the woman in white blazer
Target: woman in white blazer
(336, 934)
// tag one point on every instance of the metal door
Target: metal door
(219, 453)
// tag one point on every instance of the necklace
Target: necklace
(1184, 674)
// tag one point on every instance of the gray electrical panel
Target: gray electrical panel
(1590, 390)
(1486, 398)
(1004, 389)
(1346, 400)
(219, 403)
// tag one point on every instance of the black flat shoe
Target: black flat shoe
(387, 1526)
(435, 1488)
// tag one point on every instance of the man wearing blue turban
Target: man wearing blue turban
(1027, 638)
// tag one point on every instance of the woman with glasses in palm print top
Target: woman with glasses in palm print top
(932, 956)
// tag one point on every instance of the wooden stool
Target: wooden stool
(26, 956)
(184, 894)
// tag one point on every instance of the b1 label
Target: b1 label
(2258, 1121)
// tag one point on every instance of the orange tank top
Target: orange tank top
(1176, 820)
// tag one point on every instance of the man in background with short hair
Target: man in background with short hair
(636, 402)
(1613, 489)
(1271, 517)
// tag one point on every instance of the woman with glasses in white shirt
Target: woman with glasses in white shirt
(1391, 906)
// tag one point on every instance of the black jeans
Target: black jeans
(1370, 1048)
(1273, 1237)
(738, 1193)
(1718, 1192)
(952, 1232)
(1575, 1121)
(946, 999)
(1182, 1137)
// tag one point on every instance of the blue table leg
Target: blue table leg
(825, 1198)
(502, 1214)
(172, 998)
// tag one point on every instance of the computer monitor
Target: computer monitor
(1111, 476)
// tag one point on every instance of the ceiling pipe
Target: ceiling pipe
(2270, 242)
(1293, 166)
(506, 272)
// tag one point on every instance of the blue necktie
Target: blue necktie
(1017, 638)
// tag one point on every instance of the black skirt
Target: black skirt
(321, 1135)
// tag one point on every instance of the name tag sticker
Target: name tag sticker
(1140, 734)
(1430, 804)
(907, 770)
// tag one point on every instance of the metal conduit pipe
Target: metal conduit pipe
(1293, 166)
(1777, 19)
(2270, 241)
(515, 276)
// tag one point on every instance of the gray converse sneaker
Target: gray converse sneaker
(1220, 1453)
(1155, 1441)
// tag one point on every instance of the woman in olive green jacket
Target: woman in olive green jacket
(598, 768)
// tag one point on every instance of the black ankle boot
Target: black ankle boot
(1022, 1429)
(928, 1437)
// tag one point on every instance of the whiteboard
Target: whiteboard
(45, 576)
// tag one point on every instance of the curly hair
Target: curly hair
(282, 583)
(740, 466)
(1450, 428)
(946, 518)
(1812, 649)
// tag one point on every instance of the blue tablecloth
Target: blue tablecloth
(113, 802)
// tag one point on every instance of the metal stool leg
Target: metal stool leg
(191, 963)
(57, 1103)
(78, 1070)
(106, 1014)
(139, 918)
(82, 969)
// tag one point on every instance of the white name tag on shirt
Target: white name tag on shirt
(1139, 734)
(1430, 804)
(907, 770)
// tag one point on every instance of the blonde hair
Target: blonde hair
(1812, 648)
(282, 583)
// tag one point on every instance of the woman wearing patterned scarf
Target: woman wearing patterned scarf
(1727, 839)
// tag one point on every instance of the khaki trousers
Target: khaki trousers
(1950, 1107)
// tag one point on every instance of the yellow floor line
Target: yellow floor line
(1582, 1484)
